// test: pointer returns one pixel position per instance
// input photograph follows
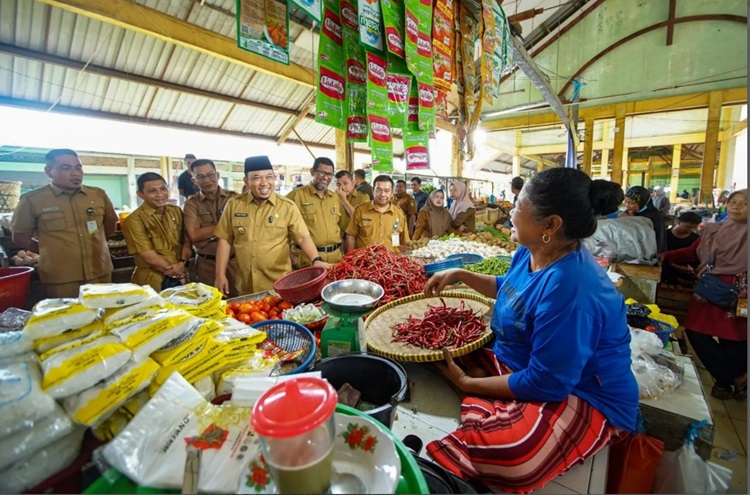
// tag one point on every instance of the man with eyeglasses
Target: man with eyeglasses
(67, 223)
(321, 209)
(260, 225)
(378, 221)
(202, 212)
(155, 236)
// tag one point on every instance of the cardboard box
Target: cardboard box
(639, 282)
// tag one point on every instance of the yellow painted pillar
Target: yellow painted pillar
(721, 172)
(709, 148)
(164, 166)
(344, 158)
(675, 178)
(539, 166)
(622, 178)
(457, 161)
(588, 145)
(620, 157)
(604, 170)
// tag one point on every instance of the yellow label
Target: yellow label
(79, 363)
(52, 313)
(161, 323)
(48, 343)
(197, 365)
(119, 388)
(66, 346)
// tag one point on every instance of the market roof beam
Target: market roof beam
(151, 22)
(125, 76)
(653, 105)
(695, 137)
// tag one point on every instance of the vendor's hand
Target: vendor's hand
(437, 282)
(452, 372)
(175, 270)
(323, 264)
(222, 284)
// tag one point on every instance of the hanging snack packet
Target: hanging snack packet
(349, 18)
(443, 44)
(331, 95)
(381, 145)
(488, 49)
(377, 84)
(393, 21)
(399, 81)
(502, 58)
(417, 149)
(356, 80)
(370, 24)
(418, 43)
(356, 120)
(469, 29)
(412, 114)
(426, 107)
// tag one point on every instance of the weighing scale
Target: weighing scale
(344, 332)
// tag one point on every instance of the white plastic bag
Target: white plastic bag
(29, 472)
(14, 342)
(22, 401)
(655, 370)
(683, 471)
(113, 295)
(52, 317)
(145, 337)
(25, 442)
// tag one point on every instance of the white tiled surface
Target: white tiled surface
(688, 399)
(434, 411)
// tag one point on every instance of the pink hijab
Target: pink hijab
(462, 203)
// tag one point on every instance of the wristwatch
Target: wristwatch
(317, 258)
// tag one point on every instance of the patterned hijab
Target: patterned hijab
(440, 218)
(462, 203)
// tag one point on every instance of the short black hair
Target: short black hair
(190, 155)
(416, 179)
(343, 173)
(53, 154)
(200, 163)
(382, 178)
(606, 196)
(401, 181)
(148, 177)
(361, 174)
(565, 192)
(690, 217)
(517, 183)
(322, 160)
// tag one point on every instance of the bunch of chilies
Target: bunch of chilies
(442, 327)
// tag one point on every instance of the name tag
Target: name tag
(92, 227)
(51, 208)
(395, 239)
(307, 204)
(204, 213)
(366, 219)
(240, 214)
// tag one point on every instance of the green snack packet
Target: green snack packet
(393, 21)
(377, 85)
(417, 149)
(381, 145)
(356, 118)
(399, 81)
(418, 42)
(426, 117)
(412, 113)
(330, 98)
(331, 45)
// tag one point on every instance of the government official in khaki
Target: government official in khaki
(67, 223)
(201, 213)
(260, 225)
(350, 198)
(379, 221)
(321, 210)
(407, 204)
(155, 236)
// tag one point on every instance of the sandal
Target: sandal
(722, 392)
(740, 388)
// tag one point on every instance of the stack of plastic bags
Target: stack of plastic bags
(37, 438)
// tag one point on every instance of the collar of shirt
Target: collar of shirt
(57, 191)
(221, 193)
(391, 208)
(314, 191)
(271, 199)
(151, 211)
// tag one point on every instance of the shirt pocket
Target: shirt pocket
(365, 229)
(274, 233)
(53, 221)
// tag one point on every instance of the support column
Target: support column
(620, 152)
(457, 161)
(604, 169)
(674, 180)
(132, 185)
(588, 145)
(623, 177)
(344, 152)
(721, 173)
(709, 148)
(516, 166)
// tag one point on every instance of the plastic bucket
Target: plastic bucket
(380, 380)
(14, 286)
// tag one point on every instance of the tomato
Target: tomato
(264, 306)
(258, 316)
(229, 311)
(244, 318)
(246, 308)
(268, 300)
(275, 300)
(285, 305)
(235, 306)
(272, 313)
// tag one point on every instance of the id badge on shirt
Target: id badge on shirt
(92, 227)
(395, 239)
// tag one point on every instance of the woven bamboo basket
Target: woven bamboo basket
(10, 191)
(378, 326)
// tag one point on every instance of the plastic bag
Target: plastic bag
(14, 318)
(655, 370)
(145, 337)
(633, 463)
(683, 471)
(52, 317)
(113, 295)
(31, 471)
(197, 299)
(22, 401)
(47, 343)
(139, 311)
(25, 442)
(14, 342)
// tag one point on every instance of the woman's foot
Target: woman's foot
(722, 392)
(740, 388)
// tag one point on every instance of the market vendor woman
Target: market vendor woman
(555, 385)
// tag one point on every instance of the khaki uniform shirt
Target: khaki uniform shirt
(407, 204)
(148, 230)
(355, 199)
(322, 217)
(261, 233)
(466, 218)
(70, 248)
(370, 226)
(200, 212)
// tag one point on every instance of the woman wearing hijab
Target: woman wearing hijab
(638, 203)
(433, 219)
(462, 209)
(723, 245)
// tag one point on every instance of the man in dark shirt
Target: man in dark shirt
(419, 196)
(361, 183)
(682, 235)
(185, 182)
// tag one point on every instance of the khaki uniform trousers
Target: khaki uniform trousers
(205, 271)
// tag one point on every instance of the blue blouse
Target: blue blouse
(562, 330)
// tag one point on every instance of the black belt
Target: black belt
(324, 249)
(211, 256)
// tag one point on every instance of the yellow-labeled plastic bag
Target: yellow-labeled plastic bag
(187, 344)
(208, 358)
(196, 298)
(52, 317)
(113, 295)
(43, 345)
(146, 336)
